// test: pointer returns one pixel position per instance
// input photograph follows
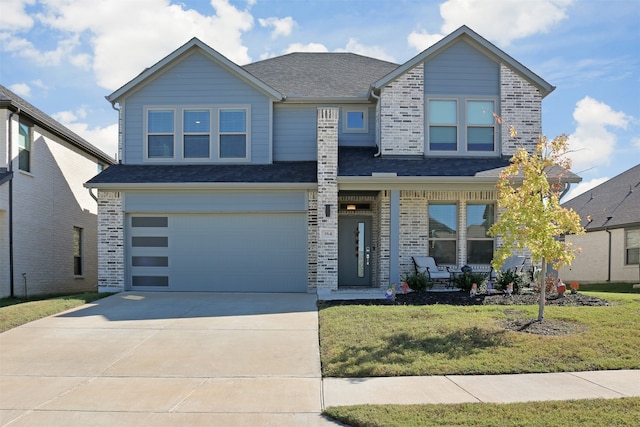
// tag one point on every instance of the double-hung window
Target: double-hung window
(232, 133)
(196, 134)
(479, 244)
(25, 137)
(480, 126)
(443, 233)
(160, 134)
(632, 246)
(443, 125)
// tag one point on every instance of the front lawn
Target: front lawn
(583, 413)
(370, 341)
(15, 312)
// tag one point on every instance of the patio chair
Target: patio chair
(427, 265)
(514, 262)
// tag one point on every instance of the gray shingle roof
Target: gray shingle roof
(321, 75)
(361, 162)
(614, 203)
(278, 172)
(10, 100)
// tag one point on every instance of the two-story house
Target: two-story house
(48, 219)
(309, 171)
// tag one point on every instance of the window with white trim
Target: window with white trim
(480, 218)
(232, 133)
(443, 233)
(355, 120)
(632, 247)
(196, 134)
(160, 134)
(25, 139)
(462, 126)
(77, 251)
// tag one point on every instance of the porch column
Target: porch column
(394, 237)
(327, 143)
(110, 242)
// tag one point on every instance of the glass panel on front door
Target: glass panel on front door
(354, 251)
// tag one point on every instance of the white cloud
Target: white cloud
(21, 89)
(310, 47)
(501, 21)
(583, 187)
(281, 26)
(592, 143)
(13, 16)
(354, 46)
(122, 38)
(636, 142)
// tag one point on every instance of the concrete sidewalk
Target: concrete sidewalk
(481, 388)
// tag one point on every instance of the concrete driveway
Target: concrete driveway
(167, 359)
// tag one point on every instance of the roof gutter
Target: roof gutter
(378, 121)
(145, 186)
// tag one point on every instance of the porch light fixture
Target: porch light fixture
(351, 207)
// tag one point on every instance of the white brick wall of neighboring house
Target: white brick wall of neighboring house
(402, 114)
(110, 242)
(49, 201)
(521, 107)
(327, 140)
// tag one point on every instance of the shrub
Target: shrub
(503, 278)
(467, 278)
(419, 282)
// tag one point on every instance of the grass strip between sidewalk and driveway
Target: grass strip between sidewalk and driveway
(15, 312)
(377, 341)
(584, 413)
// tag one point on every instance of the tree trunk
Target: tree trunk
(543, 288)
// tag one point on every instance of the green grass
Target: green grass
(372, 341)
(15, 312)
(583, 413)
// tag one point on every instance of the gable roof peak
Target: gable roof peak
(478, 42)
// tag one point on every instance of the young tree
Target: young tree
(529, 194)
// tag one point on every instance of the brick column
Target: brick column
(110, 242)
(327, 142)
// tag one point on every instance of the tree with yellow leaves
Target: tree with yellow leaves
(529, 193)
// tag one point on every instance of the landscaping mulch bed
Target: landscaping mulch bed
(514, 321)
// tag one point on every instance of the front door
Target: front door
(354, 251)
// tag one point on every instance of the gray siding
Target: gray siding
(196, 81)
(294, 132)
(204, 201)
(462, 70)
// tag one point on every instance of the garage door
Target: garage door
(232, 252)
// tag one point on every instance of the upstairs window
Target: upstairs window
(443, 234)
(196, 136)
(355, 120)
(233, 133)
(443, 125)
(25, 138)
(160, 134)
(480, 126)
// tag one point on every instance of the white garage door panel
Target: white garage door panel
(234, 253)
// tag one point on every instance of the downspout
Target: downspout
(10, 169)
(609, 257)
(378, 123)
(119, 110)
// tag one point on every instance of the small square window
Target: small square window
(355, 121)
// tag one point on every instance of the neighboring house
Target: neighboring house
(309, 171)
(610, 213)
(48, 219)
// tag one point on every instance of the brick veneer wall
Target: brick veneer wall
(110, 242)
(327, 140)
(521, 107)
(402, 114)
(312, 236)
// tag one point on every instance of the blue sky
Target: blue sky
(64, 56)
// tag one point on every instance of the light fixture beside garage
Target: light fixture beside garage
(327, 210)
(351, 207)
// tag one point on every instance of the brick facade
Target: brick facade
(521, 107)
(327, 211)
(110, 242)
(402, 114)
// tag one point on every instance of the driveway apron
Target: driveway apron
(160, 358)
